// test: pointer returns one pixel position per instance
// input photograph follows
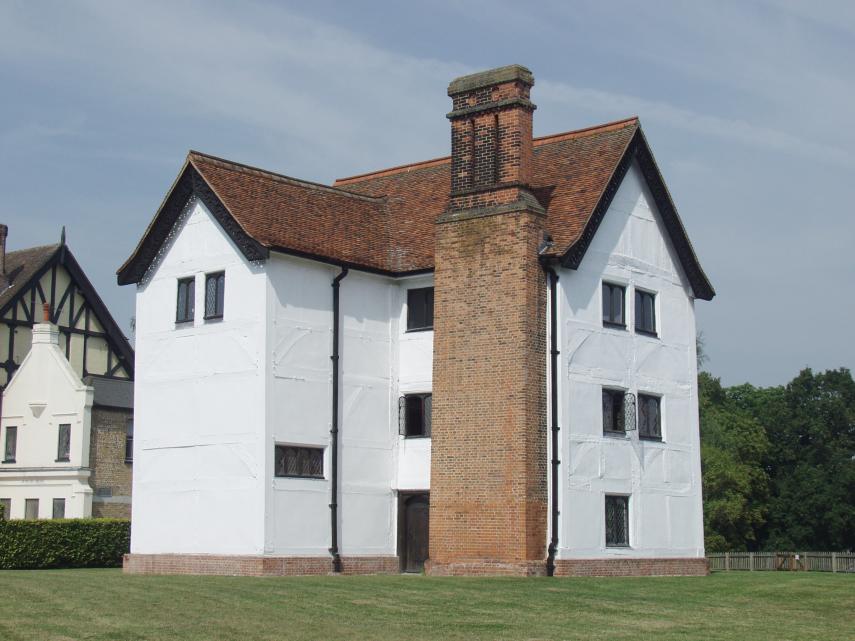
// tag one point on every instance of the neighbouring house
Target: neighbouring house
(479, 364)
(67, 395)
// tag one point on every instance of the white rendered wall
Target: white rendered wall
(44, 393)
(199, 417)
(663, 479)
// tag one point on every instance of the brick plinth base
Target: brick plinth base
(486, 568)
(237, 565)
(632, 567)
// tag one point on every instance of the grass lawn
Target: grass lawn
(104, 604)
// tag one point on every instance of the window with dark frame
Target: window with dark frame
(613, 411)
(58, 509)
(419, 309)
(11, 444)
(215, 287)
(617, 521)
(649, 417)
(129, 441)
(614, 309)
(414, 415)
(63, 446)
(186, 306)
(6, 504)
(31, 509)
(299, 462)
(645, 312)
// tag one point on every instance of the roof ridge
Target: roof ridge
(299, 182)
(538, 141)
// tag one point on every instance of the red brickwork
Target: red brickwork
(111, 476)
(488, 453)
(238, 565)
(632, 567)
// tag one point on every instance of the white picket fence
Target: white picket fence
(806, 561)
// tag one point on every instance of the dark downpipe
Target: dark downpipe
(336, 558)
(553, 371)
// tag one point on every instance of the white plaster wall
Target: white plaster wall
(44, 393)
(299, 408)
(662, 479)
(199, 418)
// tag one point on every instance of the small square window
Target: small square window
(300, 462)
(186, 306)
(414, 415)
(613, 411)
(63, 448)
(649, 417)
(613, 305)
(11, 444)
(645, 312)
(59, 508)
(617, 521)
(420, 309)
(215, 287)
(31, 509)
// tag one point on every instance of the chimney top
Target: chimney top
(500, 75)
(46, 312)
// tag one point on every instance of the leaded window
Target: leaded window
(11, 444)
(649, 416)
(63, 448)
(129, 441)
(186, 306)
(215, 287)
(59, 508)
(414, 415)
(613, 305)
(419, 309)
(301, 462)
(645, 312)
(613, 411)
(617, 521)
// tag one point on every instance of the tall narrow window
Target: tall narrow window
(31, 509)
(649, 417)
(11, 444)
(5, 509)
(613, 305)
(63, 448)
(186, 307)
(414, 414)
(613, 411)
(129, 441)
(215, 287)
(617, 521)
(59, 508)
(645, 312)
(420, 309)
(302, 462)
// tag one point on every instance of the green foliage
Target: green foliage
(63, 543)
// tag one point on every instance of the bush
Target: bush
(63, 543)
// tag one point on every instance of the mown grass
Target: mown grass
(105, 604)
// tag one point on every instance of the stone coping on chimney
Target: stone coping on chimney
(510, 73)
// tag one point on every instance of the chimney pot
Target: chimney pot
(46, 312)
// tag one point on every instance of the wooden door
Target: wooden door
(416, 519)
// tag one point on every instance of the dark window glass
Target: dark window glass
(420, 308)
(305, 462)
(617, 521)
(31, 509)
(129, 441)
(59, 508)
(215, 287)
(63, 448)
(6, 505)
(186, 307)
(645, 312)
(649, 418)
(414, 417)
(613, 411)
(11, 444)
(613, 305)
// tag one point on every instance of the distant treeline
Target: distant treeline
(779, 463)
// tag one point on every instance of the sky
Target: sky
(748, 106)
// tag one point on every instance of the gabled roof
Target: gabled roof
(384, 221)
(22, 266)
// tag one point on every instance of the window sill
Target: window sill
(415, 437)
(615, 546)
(413, 330)
(213, 318)
(62, 460)
(622, 435)
(644, 332)
(184, 323)
(610, 325)
(11, 460)
(653, 439)
(297, 476)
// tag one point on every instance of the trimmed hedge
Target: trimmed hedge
(63, 543)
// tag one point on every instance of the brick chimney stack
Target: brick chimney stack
(488, 501)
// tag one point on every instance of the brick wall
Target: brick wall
(236, 565)
(632, 567)
(111, 476)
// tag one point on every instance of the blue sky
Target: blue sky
(748, 107)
